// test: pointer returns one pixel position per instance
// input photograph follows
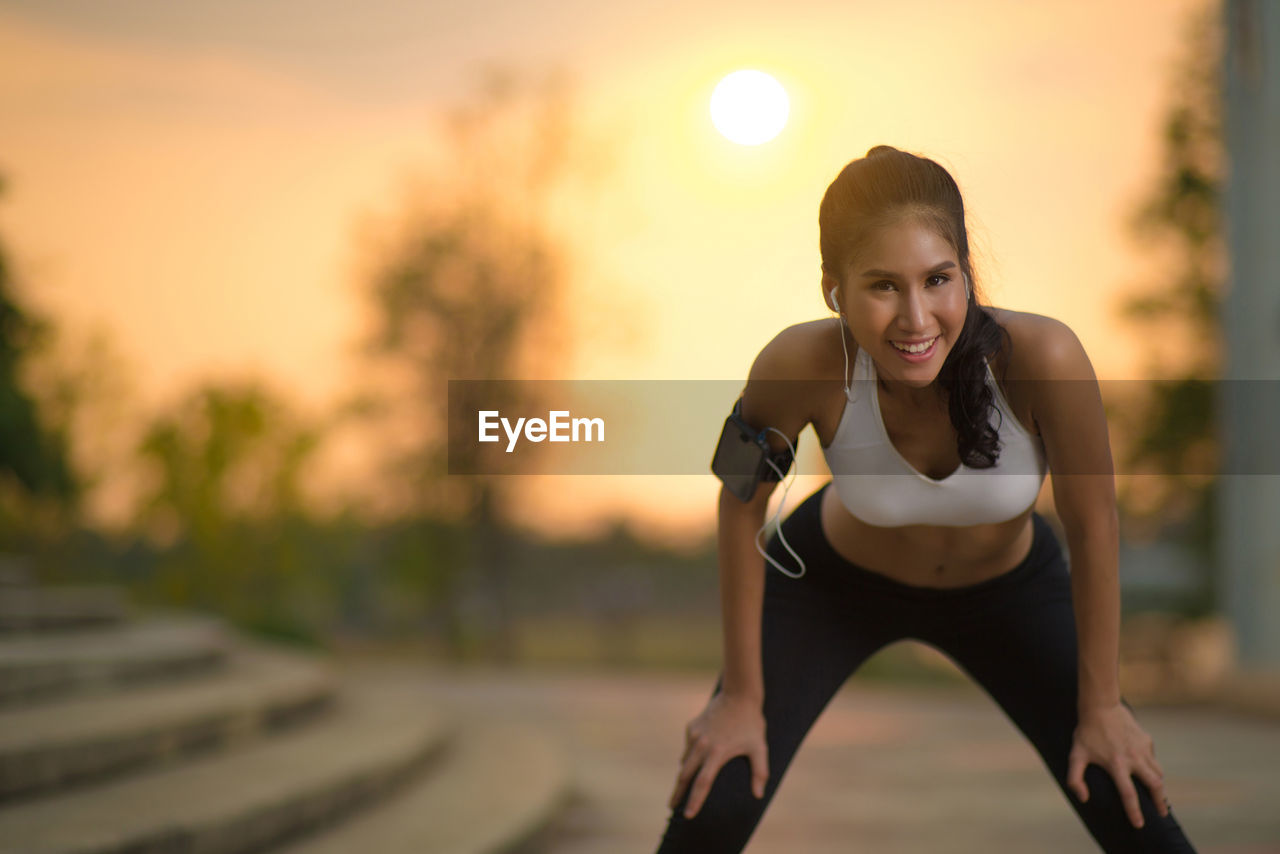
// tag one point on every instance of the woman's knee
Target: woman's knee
(1105, 816)
(726, 819)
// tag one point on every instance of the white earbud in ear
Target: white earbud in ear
(967, 290)
(835, 302)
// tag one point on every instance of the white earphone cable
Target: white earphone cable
(777, 515)
(845, 378)
(844, 348)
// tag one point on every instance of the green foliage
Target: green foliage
(225, 453)
(467, 285)
(468, 288)
(36, 477)
(1173, 425)
(459, 300)
(1181, 211)
(225, 507)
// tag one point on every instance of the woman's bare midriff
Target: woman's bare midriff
(927, 555)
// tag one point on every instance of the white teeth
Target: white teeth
(914, 348)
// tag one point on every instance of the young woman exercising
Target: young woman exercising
(927, 529)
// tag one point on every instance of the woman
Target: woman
(927, 529)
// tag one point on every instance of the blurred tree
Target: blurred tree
(226, 468)
(1172, 427)
(469, 289)
(36, 477)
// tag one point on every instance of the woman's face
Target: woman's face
(904, 301)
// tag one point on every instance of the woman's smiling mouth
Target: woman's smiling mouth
(918, 351)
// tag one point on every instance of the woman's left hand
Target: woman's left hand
(1111, 738)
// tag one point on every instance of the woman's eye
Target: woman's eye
(883, 285)
(939, 279)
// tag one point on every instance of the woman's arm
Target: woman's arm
(775, 397)
(741, 591)
(732, 723)
(1067, 406)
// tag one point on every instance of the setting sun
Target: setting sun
(749, 107)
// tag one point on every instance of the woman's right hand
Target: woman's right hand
(729, 726)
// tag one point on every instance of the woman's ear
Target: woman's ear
(830, 291)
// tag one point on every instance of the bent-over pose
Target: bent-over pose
(939, 418)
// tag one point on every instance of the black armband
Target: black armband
(743, 457)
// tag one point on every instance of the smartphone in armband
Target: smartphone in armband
(742, 458)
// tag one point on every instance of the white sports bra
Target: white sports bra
(881, 488)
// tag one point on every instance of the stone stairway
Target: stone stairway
(57, 666)
(170, 733)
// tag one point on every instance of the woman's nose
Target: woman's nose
(911, 311)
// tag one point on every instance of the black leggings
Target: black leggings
(1015, 635)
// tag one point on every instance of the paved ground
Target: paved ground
(886, 770)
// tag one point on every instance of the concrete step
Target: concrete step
(79, 740)
(248, 797)
(36, 668)
(496, 791)
(43, 609)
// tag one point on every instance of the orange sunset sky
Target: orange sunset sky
(190, 178)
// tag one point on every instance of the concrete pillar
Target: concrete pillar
(1249, 548)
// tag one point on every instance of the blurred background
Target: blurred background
(245, 246)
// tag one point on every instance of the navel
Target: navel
(938, 571)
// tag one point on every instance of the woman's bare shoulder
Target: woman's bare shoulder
(793, 377)
(1041, 347)
(802, 351)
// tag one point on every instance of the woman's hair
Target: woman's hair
(887, 187)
